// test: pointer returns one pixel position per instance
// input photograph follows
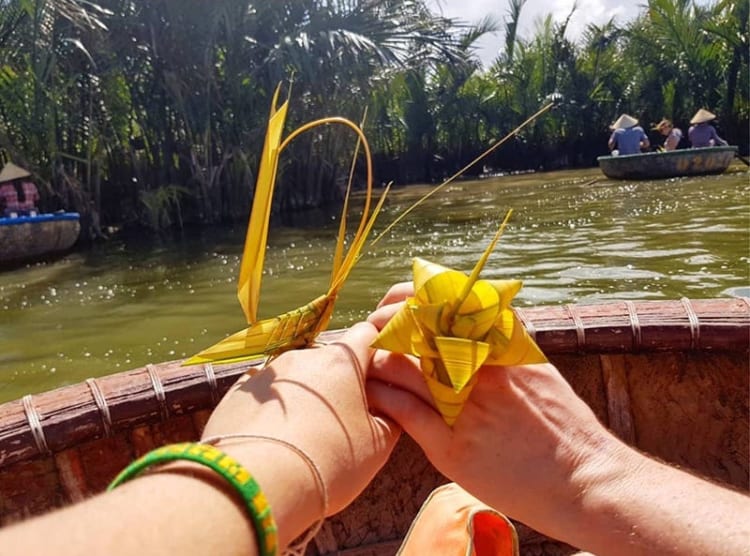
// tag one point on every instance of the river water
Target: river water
(574, 237)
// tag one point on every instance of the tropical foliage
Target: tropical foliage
(151, 114)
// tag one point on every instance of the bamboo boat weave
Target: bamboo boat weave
(653, 371)
(30, 237)
(668, 164)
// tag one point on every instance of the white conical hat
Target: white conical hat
(12, 172)
(702, 116)
(624, 122)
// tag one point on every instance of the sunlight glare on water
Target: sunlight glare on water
(123, 305)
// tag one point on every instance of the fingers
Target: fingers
(394, 383)
(418, 419)
(357, 342)
(386, 431)
(390, 304)
(380, 317)
(397, 292)
(400, 371)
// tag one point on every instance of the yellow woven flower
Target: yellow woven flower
(455, 324)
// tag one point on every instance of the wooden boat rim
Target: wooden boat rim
(40, 218)
(669, 377)
(673, 154)
(49, 422)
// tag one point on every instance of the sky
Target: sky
(589, 11)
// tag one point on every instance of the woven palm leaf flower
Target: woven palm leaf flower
(455, 324)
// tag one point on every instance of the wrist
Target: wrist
(576, 490)
(608, 462)
(603, 483)
(286, 479)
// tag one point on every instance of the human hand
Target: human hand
(524, 443)
(396, 294)
(313, 399)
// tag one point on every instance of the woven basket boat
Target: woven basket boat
(668, 164)
(670, 377)
(26, 238)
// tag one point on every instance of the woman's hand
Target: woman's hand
(524, 442)
(313, 399)
(528, 446)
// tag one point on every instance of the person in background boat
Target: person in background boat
(18, 195)
(702, 133)
(627, 136)
(672, 135)
(316, 425)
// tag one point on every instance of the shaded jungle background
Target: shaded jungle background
(151, 115)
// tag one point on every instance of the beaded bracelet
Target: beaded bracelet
(236, 475)
(299, 545)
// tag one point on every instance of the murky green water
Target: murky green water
(124, 305)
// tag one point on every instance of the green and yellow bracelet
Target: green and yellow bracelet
(236, 475)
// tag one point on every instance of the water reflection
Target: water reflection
(125, 304)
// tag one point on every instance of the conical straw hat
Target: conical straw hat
(702, 116)
(624, 122)
(12, 172)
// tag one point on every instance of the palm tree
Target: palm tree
(511, 29)
(155, 111)
(49, 92)
(677, 59)
(729, 25)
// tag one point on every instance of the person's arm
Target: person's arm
(672, 140)
(312, 399)
(612, 143)
(645, 143)
(167, 513)
(527, 445)
(718, 141)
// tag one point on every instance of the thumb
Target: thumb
(356, 341)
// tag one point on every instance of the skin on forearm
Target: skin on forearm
(635, 505)
(154, 515)
(183, 509)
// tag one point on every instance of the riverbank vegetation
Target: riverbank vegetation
(152, 114)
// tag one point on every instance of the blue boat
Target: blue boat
(24, 238)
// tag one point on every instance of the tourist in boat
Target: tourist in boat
(18, 195)
(316, 425)
(702, 133)
(627, 136)
(672, 135)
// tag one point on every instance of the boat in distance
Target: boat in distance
(25, 238)
(668, 164)
(670, 377)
